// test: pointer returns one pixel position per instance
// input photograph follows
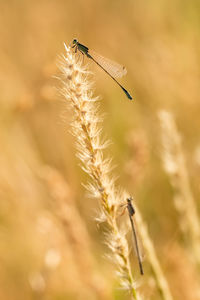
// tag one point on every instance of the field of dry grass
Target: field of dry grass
(62, 234)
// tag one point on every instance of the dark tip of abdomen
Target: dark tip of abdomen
(127, 94)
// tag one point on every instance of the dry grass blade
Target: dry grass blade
(175, 166)
(156, 269)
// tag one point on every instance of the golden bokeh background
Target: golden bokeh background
(50, 244)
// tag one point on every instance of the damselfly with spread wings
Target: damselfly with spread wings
(113, 69)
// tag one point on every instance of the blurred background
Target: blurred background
(50, 244)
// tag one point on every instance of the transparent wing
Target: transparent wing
(116, 70)
(140, 246)
(136, 245)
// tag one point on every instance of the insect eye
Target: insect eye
(75, 41)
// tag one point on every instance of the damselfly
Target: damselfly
(113, 69)
(131, 212)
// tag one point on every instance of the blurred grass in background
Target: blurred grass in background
(40, 178)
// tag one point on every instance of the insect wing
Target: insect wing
(136, 245)
(116, 70)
